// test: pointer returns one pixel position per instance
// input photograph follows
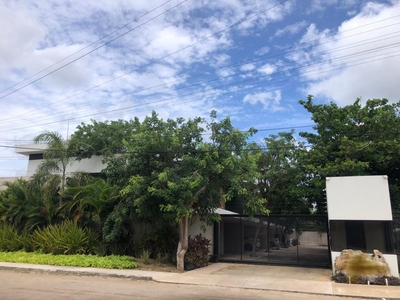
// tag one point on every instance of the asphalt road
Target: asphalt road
(38, 286)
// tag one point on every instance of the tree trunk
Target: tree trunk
(183, 228)
(222, 201)
(256, 236)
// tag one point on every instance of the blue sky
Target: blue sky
(250, 60)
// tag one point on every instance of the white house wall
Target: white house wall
(196, 227)
(90, 165)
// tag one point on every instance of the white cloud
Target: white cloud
(291, 29)
(262, 51)
(131, 76)
(247, 67)
(269, 100)
(20, 36)
(320, 5)
(365, 69)
(267, 69)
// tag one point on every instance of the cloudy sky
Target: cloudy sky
(66, 62)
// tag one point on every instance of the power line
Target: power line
(190, 94)
(91, 44)
(233, 83)
(79, 57)
(259, 148)
(279, 53)
(164, 57)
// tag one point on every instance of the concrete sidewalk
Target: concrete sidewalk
(261, 277)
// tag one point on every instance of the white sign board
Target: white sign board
(358, 198)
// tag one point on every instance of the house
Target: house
(359, 217)
(92, 165)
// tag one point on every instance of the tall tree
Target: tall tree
(102, 138)
(353, 140)
(282, 175)
(180, 175)
(57, 156)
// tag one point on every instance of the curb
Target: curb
(76, 273)
(90, 273)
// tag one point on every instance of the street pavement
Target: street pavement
(310, 281)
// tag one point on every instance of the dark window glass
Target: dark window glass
(355, 235)
(361, 235)
(35, 156)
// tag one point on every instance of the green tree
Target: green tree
(102, 138)
(282, 175)
(181, 176)
(57, 156)
(353, 140)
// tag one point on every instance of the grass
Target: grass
(78, 260)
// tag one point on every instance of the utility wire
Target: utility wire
(201, 92)
(246, 80)
(91, 44)
(86, 54)
(259, 148)
(164, 57)
(200, 83)
(279, 53)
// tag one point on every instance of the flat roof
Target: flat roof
(30, 149)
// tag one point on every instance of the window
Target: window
(361, 235)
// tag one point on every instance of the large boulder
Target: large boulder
(358, 264)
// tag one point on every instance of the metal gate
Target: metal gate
(273, 239)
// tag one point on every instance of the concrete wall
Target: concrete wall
(358, 198)
(313, 238)
(196, 227)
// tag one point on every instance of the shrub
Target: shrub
(9, 238)
(77, 260)
(145, 256)
(163, 241)
(65, 238)
(198, 252)
(163, 258)
(26, 241)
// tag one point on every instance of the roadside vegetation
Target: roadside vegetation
(76, 260)
(169, 171)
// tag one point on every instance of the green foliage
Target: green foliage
(91, 203)
(25, 206)
(145, 256)
(108, 262)
(65, 238)
(102, 138)
(281, 175)
(352, 140)
(163, 241)
(9, 238)
(56, 158)
(163, 258)
(198, 251)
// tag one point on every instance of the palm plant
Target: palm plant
(91, 203)
(57, 156)
(23, 205)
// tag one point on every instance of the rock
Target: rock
(358, 264)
